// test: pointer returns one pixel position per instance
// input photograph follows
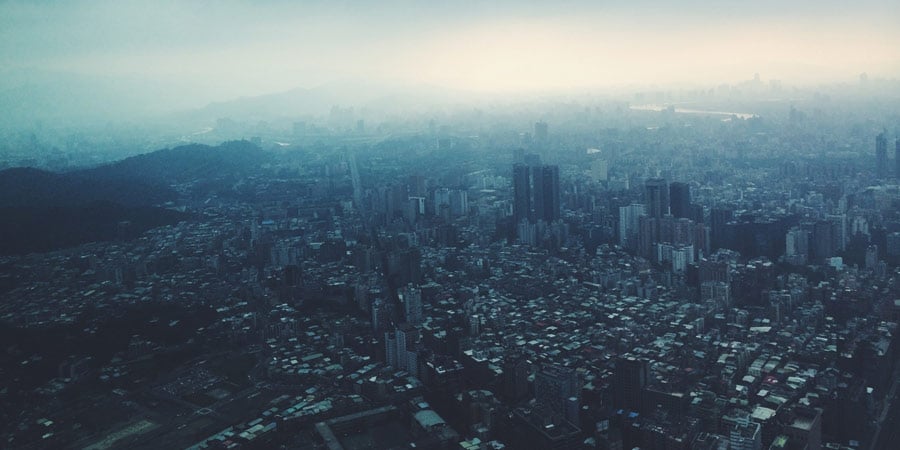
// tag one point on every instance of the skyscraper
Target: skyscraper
(719, 218)
(881, 159)
(680, 199)
(521, 193)
(546, 192)
(897, 158)
(629, 223)
(554, 386)
(656, 197)
(411, 297)
(630, 379)
(536, 193)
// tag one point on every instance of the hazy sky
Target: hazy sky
(250, 47)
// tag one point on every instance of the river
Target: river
(693, 111)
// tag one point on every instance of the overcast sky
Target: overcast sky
(253, 47)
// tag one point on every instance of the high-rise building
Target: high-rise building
(718, 220)
(400, 352)
(631, 376)
(600, 169)
(411, 297)
(680, 199)
(893, 244)
(554, 386)
(656, 197)
(796, 246)
(521, 193)
(871, 256)
(822, 241)
(536, 194)
(881, 159)
(546, 192)
(897, 158)
(629, 222)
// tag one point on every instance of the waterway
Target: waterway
(654, 107)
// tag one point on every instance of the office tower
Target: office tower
(515, 377)
(893, 244)
(521, 193)
(629, 217)
(871, 256)
(536, 193)
(459, 202)
(411, 298)
(648, 235)
(381, 314)
(450, 202)
(822, 242)
(680, 199)
(656, 197)
(796, 246)
(546, 192)
(718, 220)
(881, 160)
(631, 376)
(554, 386)
(399, 346)
(839, 233)
(600, 169)
(897, 158)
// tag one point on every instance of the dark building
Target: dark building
(546, 192)
(680, 200)
(630, 379)
(521, 193)
(881, 159)
(821, 246)
(536, 193)
(656, 197)
(515, 378)
(558, 389)
(719, 218)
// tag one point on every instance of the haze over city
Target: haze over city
(187, 54)
(348, 225)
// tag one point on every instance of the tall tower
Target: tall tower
(897, 158)
(629, 223)
(521, 193)
(555, 386)
(656, 197)
(546, 192)
(536, 193)
(411, 297)
(680, 198)
(881, 159)
(631, 376)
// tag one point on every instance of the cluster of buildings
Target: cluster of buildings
(375, 297)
